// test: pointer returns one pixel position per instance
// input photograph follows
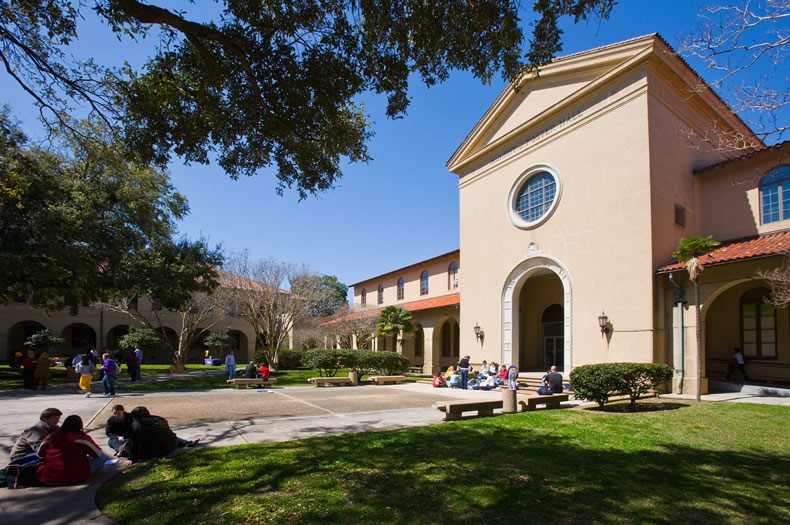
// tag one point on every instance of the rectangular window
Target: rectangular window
(680, 215)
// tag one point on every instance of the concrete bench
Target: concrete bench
(454, 409)
(244, 382)
(553, 401)
(383, 380)
(324, 381)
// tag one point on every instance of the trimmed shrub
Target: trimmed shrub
(598, 382)
(290, 359)
(328, 362)
(325, 360)
(388, 363)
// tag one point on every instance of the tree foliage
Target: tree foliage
(270, 84)
(43, 339)
(86, 223)
(394, 321)
(328, 293)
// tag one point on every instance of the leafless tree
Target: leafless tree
(255, 290)
(348, 325)
(779, 281)
(745, 44)
(200, 314)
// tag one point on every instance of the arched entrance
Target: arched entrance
(446, 343)
(536, 315)
(18, 334)
(79, 338)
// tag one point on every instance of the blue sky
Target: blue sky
(400, 208)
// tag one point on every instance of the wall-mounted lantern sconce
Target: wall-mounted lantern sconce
(479, 333)
(603, 322)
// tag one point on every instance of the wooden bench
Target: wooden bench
(453, 409)
(244, 382)
(553, 401)
(384, 380)
(324, 381)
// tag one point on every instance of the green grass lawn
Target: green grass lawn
(701, 463)
(198, 377)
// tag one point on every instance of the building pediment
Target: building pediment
(565, 91)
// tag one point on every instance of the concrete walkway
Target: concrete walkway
(221, 418)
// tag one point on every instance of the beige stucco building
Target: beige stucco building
(575, 190)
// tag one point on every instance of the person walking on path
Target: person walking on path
(138, 353)
(86, 370)
(230, 365)
(110, 369)
(737, 361)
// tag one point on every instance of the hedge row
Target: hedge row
(366, 362)
(600, 381)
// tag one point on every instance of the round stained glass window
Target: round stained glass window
(534, 197)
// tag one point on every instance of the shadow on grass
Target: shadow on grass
(639, 407)
(525, 469)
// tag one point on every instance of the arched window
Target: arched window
(758, 325)
(452, 276)
(381, 294)
(424, 283)
(364, 297)
(775, 195)
(401, 284)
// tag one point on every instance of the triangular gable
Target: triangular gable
(546, 102)
(559, 82)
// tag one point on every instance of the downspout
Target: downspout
(679, 302)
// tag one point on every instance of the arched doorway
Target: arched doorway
(79, 339)
(448, 342)
(536, 306)
(18, 334)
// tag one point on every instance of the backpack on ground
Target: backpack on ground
(21, 472)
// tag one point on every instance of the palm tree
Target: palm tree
(689, 250)
(394, 320)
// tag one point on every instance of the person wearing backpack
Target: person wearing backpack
(110, 369)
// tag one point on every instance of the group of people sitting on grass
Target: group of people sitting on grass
(490, 376)
(52, 454)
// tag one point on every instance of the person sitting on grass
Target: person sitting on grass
(151, 437)
(69, 455)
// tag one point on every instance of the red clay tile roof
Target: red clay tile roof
(766, 245)
(414, 306)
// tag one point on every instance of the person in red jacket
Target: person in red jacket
(69, 454)
(265, 372)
